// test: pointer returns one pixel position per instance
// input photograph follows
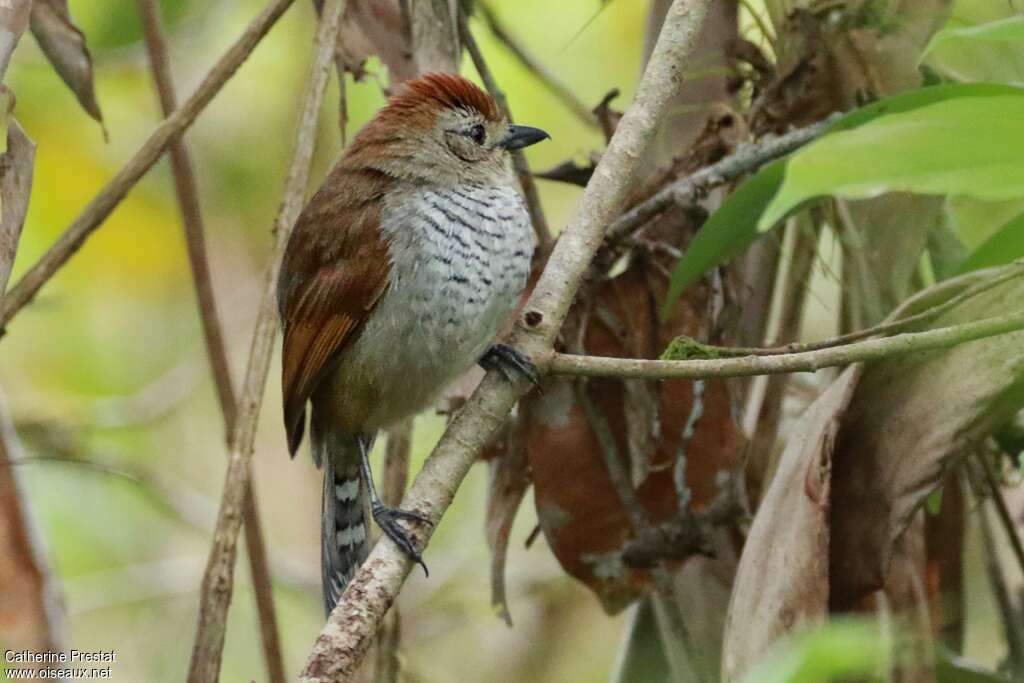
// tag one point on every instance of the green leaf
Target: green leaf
(1004, 246)
(970, 145)
(839, 651)
(987, 52)
(734, 225)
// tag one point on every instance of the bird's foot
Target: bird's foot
(387, 519)
(509, 362)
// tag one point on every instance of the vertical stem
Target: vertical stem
(540, 223)
(195, 242)
(218, 579)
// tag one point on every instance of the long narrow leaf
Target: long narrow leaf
(1006, 245)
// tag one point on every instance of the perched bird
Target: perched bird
(398, 275)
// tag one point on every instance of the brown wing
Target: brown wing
(334, 271)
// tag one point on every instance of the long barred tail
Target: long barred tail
(343, 533)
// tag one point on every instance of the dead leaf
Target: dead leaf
(579, 511)
(509, 479)
(64, 45)
(912, 418)
(16, 165)
(30, 611)
(782, 579)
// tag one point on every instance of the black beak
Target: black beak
(522, 136)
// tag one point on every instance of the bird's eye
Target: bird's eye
(477, 133)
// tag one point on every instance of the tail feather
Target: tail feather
(344, 541)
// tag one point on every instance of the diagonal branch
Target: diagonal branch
(343, 642)
(686, 190)
(547, 77)
(195, 242)
(111, 195)
(215, 594)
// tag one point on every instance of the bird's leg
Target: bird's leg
(508, 362)
(387, 517)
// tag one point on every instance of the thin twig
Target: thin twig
(885, 328)
(215, 594)
(1009, 612)
(685, 191)
(113, 192)
(540, 222)
(807, 361)
(342, 644)
(680, 653)
(546, 76)
(1005, 518)
(195, 242)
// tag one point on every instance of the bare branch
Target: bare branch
(215, 594)
(885, 328)
(540, 223)
(686, 190)
(1005, 518)
(546, 76)
(806, 361)
(111, 195)
(679, 651)
(343, 642)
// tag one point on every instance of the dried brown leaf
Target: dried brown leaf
(64, 45)
(912, 418)
(580, 513)
(509, 479)
(30, 613)
(16, 165)
(782, 579)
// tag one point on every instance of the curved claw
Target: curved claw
(387, 519)
(508, 362)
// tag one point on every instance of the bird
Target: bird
(397, 276)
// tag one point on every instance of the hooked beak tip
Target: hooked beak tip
(523, 136)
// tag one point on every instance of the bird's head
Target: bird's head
(443, 128)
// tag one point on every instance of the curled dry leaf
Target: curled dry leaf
(580, 513)
(912, 418)
(782, 579)
(64, 45)
(376, 27)
(509, 479)
(16, 165)
(30, 610)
